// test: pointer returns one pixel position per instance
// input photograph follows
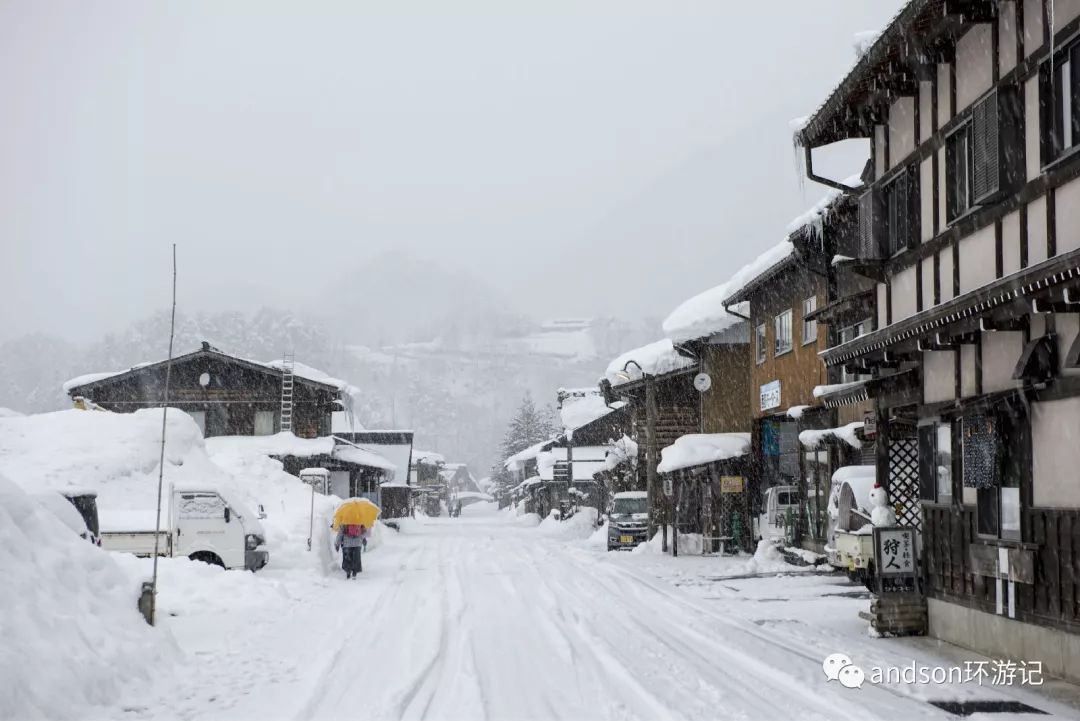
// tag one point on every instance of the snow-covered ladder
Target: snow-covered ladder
(287, 364)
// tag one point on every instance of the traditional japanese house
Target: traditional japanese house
(226, 395)
(658, 383)
(238, 404)
(777, 292)
(970, 229)
(589, 425)
(395, 492)
(710, 477)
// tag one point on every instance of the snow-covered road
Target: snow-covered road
(481, 618)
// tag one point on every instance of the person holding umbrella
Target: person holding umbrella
(353, 520)
(351, 538)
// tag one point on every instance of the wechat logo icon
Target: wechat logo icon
(838, 667)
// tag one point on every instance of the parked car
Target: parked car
(202, 523)
(628, 520)
(76, 509)
(781, 505)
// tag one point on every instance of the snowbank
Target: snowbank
(654, 359)
(695, 449)
(9, 413)
(70, 628)
(579, 526)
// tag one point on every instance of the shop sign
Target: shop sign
(770, 395)
(731, 484)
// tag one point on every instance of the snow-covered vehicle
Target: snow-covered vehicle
(851, 540)
(628, 520)
(76, 509)
(781, 504)
(202, 523)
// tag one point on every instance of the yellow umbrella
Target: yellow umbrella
(356, 512)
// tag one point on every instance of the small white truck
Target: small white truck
(202, 523)
(851, 540)
(781, 506)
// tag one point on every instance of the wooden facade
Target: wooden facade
(228, 396)
(969, 229)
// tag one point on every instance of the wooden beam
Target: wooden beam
(1008, 324)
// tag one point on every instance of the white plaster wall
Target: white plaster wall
(1000, 351)
(1010, 242)
(879, 151)
(1067, 325)
(943, 94)
(1037, 324)
(974, 64)
(946, 266)
(1067, 216)
(1006, 36)
(938, 382)
(1055, 453)
(1036, 218)
(926, 107)
(926, 199)
(903, 293)
(901, 130)
(977, 262)
(967, 371)
(928, 282)
(1033, 22)
(881, 309)
(1031, 127)
(1064, 11)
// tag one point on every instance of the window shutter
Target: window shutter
(986, 148)
(869, 222)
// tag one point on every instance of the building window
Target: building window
(1060, 82)
(936, 462)
(264, 423)
(849, 333)
(809, 327)
(783, 332)
(958, 172)
(759, 343)
(900, 211)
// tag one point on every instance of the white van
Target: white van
(204, 524)
(772, 525)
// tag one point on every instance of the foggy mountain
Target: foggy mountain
(437, 352)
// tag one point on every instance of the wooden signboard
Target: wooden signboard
(732, 484)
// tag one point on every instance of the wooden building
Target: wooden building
(970, 230)
(657, 382)
(780, 292)
(226, 395)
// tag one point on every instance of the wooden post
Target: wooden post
(675, 521)
(650, 456)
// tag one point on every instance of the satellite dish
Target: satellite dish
(204, 380)
(703, 382)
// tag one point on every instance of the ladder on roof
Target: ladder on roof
(287, 365)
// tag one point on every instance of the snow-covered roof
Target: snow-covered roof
(814, 438)
(631, 494)
(580, 410)
(654, 359)
(759, 267)
(825, 390)
(820, 210)
(526, 454)
(428, 457)
(286, 444)
(695, 449)
(705, 314)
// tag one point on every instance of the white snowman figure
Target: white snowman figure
(881, 514)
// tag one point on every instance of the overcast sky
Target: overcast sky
(586, 157)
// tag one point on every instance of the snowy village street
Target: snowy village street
(487, 616)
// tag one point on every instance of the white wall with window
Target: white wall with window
(809, 327)
(782, 327)
(760, 350)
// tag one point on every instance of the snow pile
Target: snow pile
(767, 559)
(70, 628)
(624, 450)
(704, 314)
(814, 438)
(653, 359)
(598, 538)
(863, 40)
(578, 527)
(695, 449)
(9, 413)
(825, 390)
(796, 412)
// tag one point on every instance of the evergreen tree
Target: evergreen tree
(528, 427)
